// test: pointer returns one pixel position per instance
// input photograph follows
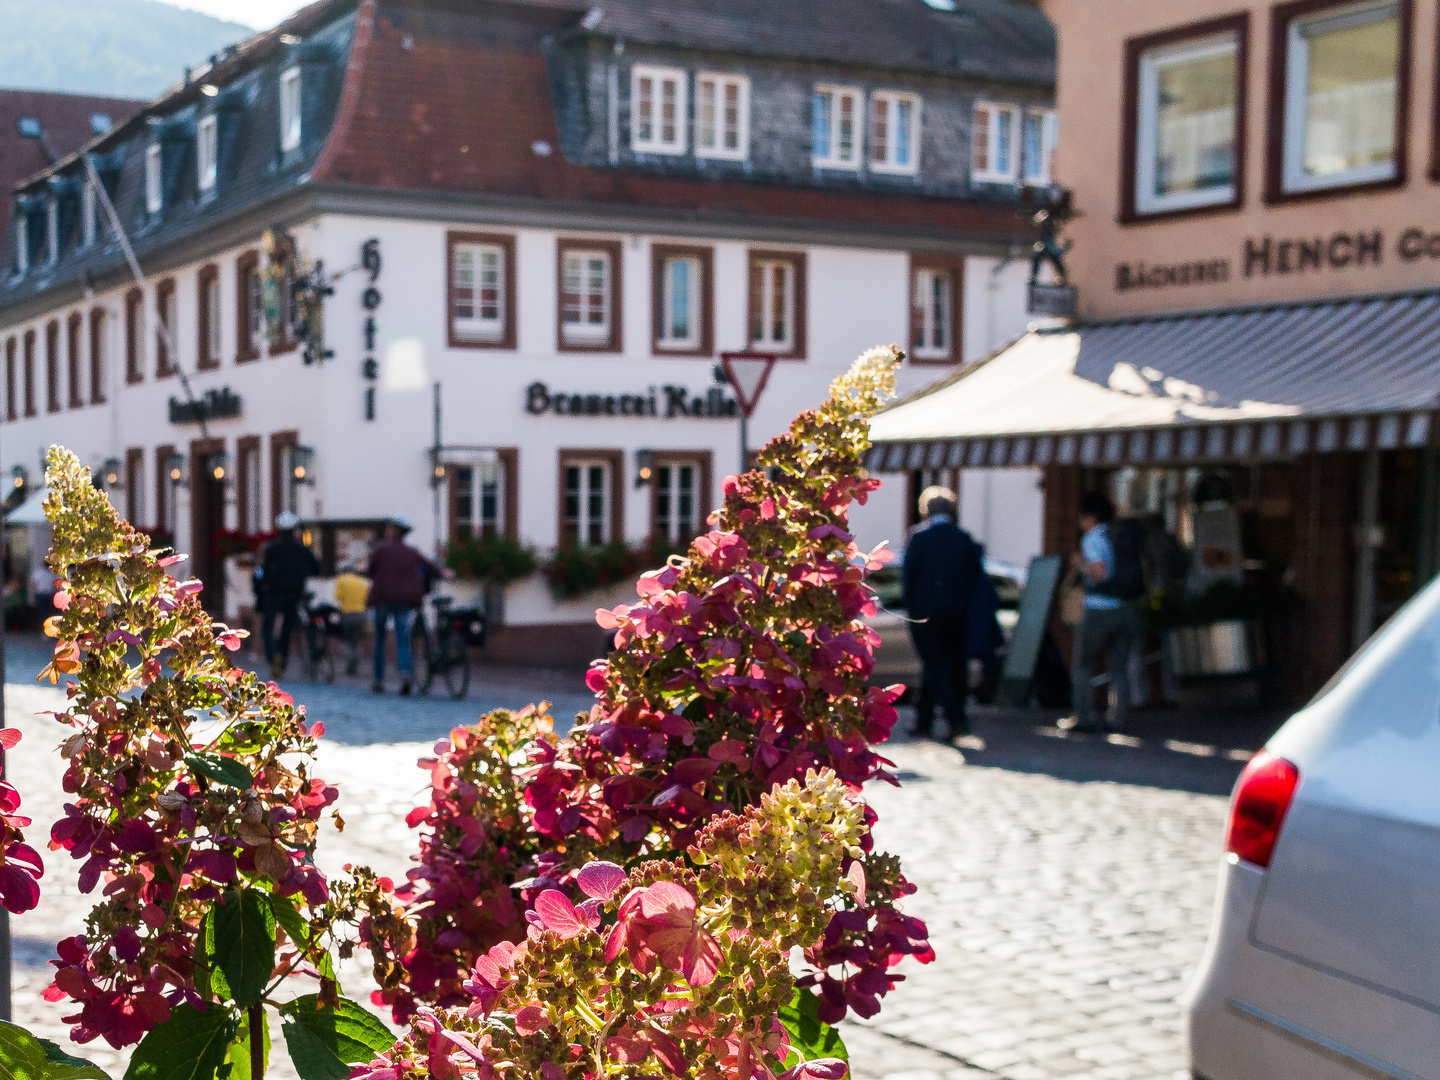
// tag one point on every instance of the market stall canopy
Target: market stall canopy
(1260, 382)
(31, 511)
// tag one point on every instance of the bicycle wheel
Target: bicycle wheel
(457, 666)
(421, 658)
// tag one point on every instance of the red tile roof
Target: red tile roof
(422, 113)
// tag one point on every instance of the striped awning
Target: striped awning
(1240, 384)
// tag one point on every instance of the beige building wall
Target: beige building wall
(1201, 259)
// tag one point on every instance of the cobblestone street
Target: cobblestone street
(1067, 883)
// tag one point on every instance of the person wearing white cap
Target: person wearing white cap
(287, 565)
(399, 577)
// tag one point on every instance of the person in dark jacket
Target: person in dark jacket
(287, 565)
(399, 578)
(942, 569)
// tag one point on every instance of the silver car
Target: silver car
(1324, 954)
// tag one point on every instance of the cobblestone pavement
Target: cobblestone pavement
(1067, 883)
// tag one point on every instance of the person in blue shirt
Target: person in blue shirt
(942, 567)
(1109, 626)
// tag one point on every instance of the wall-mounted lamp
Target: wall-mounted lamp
(302, 465)
(644, 467)
(21, 476)
(175, 468)
(217, 464)
(110, 473)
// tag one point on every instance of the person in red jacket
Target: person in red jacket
(399, 579)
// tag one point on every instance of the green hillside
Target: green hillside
(119, 48)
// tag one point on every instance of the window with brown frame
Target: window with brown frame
(165, 319)
(98, 372)
(135, 486)
(682, 300)
(679, 495)
(484, 494)
(592, 497)
(1339, 97)
(249, 308)
(134, 346)
(282, 339)
(10, 349)
(74, 333)
(480, 290)
(29, 373)
(937, 323)
(52, 366)
(207, 312)
(777, 307)
(248, 485)
(1183, 144)
(165, 486)
(588, 279)
(282, 487)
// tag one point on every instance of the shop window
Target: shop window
(282, 482)
(777, 303)
(994, 131)
(207, 153)
(10, 350)
(658, 108)
(482, 494)
(249, 480)
(722, 116)
(165, 330)
(590, 511)
(934, 310)
(894, 132)
(682, 299)
(154, 179)
(482, 302)
(589, 296)
(1037, 145)
(134, 349)
(135, 486)
(74, 343)
(208, 312)
(99, 368)
(249, 307)
(290, 112)
(29, 373)
(680, 502)
(835, 122)
(1343, 111)
(52, 366)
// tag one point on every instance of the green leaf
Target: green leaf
(290, 919)
(237, 1057)
(244, 944)
(327, 968)
(22, 1057)
(810, 1035)
(222, 770)
(324, 1043)
(62, 1066)
(190, 1045)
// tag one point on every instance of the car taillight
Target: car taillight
(1262, 797)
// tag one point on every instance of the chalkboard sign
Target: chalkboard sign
(1036, 604)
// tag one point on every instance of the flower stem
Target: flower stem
(257, 1041)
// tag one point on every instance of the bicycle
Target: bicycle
(322, 623)
(446, 653)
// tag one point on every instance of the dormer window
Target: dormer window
(52, 231)
(1037, 146)
(22, 243)
(154, 189)
(659, 108)
(993, 136)
(894, 132)
(835, 115)
(88, 211)
(290, 110)
(722, 116)
(206, 152)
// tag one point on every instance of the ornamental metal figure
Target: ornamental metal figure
(1050, 209)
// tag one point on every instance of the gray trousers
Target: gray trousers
(1109, 634)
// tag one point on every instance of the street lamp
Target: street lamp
(110, 473)
(644, 467)
(175, 468)
(217, 464)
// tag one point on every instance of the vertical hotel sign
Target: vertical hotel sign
(370, 303)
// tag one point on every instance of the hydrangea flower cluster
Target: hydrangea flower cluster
(744, 665)
(191, 779)
(20, 865)
(678, 967)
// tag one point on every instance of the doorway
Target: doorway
(207, 515)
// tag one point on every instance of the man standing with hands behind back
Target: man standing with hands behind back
(942, 567)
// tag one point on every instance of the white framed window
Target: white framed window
(894, 132)
(677, 501)
(207, 150)
(255, 305)
(290, 122)
(932, 314)
(587, 495)
(154, 180)
(657, 109)
(722, 116)
(89, 215)
(772, 304)
(1037, 145)
(479, 499)
(211, 300)
(52, 231)
(836, 127)
(585, 300)
(1342, 76)
(250, 470)
(478, 303)
(994, 133)
(681, 285)
(1187, 121)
